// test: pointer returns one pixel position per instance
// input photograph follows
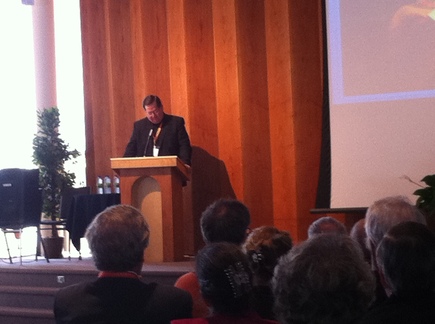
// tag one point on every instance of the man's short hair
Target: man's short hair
(117, 238)
(151, 99)
(225, 220)
(325, 225)
(406, 257)
(323, 280)
(383, 214)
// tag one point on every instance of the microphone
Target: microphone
(148, 142)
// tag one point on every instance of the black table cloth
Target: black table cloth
(83, 210)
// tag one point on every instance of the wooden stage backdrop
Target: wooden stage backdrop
(245, 74)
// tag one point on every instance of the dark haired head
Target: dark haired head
(406, 257)
(359, 235)
(264, 246)
(151, 99)
(224, 278)
(225, 220)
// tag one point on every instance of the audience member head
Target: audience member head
(224, 278)
(359, 235)
(323, 280)
(406, 259)
(225, 220)
(264, 246)
(383, 214)
(117, 239)
(326, 225)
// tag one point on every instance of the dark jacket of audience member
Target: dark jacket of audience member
(225, 281)
(225, 220)
(323, 280)
(406, 262)
(264, 246)
(117, 239)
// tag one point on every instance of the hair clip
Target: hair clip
(238, 279)
(257, 257)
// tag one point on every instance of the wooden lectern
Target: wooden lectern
(142, 177)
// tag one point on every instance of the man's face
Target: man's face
(154, 113)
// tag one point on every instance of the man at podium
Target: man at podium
(159, 134)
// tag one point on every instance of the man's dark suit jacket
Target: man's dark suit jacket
(121, 300)
(173, 139)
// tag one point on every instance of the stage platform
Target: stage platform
(165, 272)
(27, 288)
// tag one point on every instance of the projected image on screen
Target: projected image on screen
(381, 72)
(382, 50)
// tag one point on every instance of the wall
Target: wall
(245, 74)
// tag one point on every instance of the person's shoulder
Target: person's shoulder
(186, 279)
(170, 292)
(170, 295)
(189, 282)
(74, 290)
(170, 302)
(174, 119)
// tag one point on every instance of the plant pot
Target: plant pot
(53, 247)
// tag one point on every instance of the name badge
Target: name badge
(156, 150)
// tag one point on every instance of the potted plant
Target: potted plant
(50, 153)
(426, 199)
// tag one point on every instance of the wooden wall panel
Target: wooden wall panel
(306, 62)
(281, 111)
(155, 54)
(245, 75)
(121, 79)
(228, 117)
(179, 105)
(96, 66)
(254, 110)
(201, 91)
(137, 65)
(177, 60)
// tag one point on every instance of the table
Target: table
(83, 210)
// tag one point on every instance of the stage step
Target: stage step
(27, 297)
(17, 315)
(55, 278)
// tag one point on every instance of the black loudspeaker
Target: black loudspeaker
(20, 198)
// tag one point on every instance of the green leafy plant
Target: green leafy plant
(50, 153)
(426, 196)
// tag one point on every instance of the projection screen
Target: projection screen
(381, 70)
